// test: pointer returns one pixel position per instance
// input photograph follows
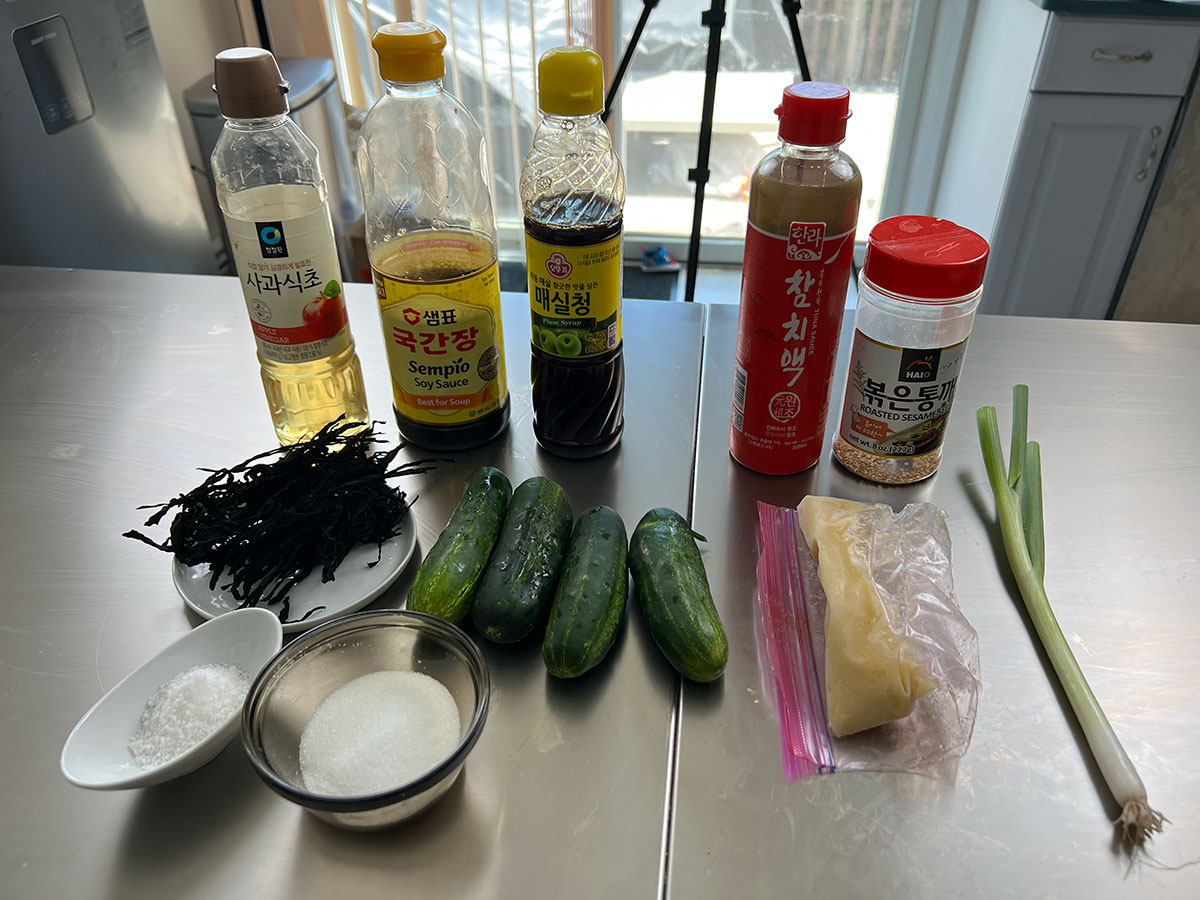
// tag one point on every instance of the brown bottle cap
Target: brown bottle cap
(248, 84)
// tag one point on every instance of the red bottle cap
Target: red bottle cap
(814, 113)
(920, 256)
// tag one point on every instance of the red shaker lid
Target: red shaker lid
(814, 113)
(920, 256)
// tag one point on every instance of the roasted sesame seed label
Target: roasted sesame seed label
(899, 398)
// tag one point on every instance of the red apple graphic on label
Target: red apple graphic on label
(326, 311)
(558, 266)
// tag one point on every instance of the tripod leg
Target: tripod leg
(714, 20)
(647, 5)
(791, 12)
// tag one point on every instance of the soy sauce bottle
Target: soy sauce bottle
(431, 239)
(573, 194)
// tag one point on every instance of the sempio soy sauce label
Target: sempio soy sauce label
(444, 346)
(793, 297)
(574, 296)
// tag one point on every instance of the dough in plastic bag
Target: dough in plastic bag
(872, 675)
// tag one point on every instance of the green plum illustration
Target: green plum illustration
(569, 344)
(548, 340)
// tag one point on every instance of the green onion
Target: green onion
(1019, 509)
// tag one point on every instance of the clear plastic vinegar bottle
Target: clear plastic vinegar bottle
(273, 195)
(431, 239)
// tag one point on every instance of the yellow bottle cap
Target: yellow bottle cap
(410, 51)
(570, 81)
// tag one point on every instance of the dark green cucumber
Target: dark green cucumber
(450, 573)
(519, 582)
(590, 598)
(673, 590)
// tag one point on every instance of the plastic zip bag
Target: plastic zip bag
(910, 564)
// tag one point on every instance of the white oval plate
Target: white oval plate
(96, 755)
(356, 584)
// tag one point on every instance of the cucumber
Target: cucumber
(451, 571)
(673, 590)
(590, 598)
(519, 582)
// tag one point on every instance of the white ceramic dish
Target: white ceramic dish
(96, 754)
(357, 584)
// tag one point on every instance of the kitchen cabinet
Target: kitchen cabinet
(1059, 130)
(1079, 181)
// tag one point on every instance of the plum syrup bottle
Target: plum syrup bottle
(573, 194)
(273, 195)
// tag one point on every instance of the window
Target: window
(858, 43)
(491, 59)
(492, 48)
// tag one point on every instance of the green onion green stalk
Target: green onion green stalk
(1019, 509)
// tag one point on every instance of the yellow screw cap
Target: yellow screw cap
(570, 81)
(410, 51)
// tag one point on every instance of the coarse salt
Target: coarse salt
(378, 732)
(186, 710)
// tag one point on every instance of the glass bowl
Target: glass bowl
(291, 687)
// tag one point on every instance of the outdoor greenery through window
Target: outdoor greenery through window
(491, 60)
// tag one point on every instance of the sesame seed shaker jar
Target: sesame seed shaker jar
(918, 291)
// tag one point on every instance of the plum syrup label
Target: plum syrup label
(574, 296)
(793, 296)
(290, 279)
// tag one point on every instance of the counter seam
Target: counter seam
(677, 701)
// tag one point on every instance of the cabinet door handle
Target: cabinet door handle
(1155, 134)
(1144, 56)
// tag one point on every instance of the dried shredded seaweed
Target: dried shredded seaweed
(268, 522)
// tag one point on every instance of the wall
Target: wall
(1164, 281)
(298, 28)
(188, 35)
(1003, 51)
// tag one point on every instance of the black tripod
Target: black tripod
(714, 20)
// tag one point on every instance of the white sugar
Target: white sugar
(186, 710)
(378, 732)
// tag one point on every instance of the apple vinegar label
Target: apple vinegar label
(289, 273)
(444, 346)
(574, 296)
(898, 399)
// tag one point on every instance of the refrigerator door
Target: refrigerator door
(93, 172)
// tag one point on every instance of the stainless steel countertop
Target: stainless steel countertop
(118, 386)
(1114, 406)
